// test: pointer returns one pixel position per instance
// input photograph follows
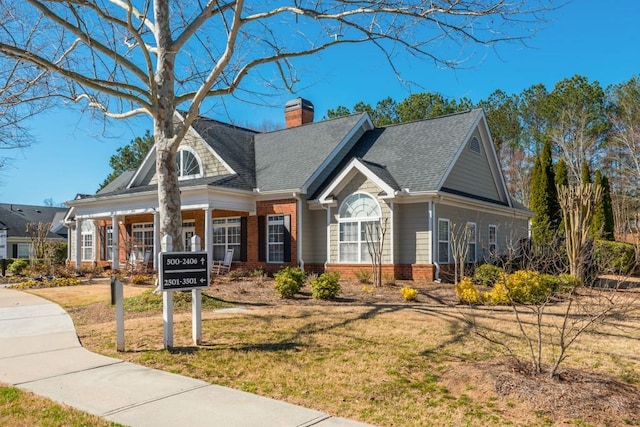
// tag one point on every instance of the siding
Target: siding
(412, 234)
(510, 230)
(314, 237)
(471, 174)
(211, 166)
(360, 184)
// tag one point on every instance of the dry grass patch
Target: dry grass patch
(384, 363)
(83, 295)
(21, 408)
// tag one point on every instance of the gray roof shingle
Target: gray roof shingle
(15, 217)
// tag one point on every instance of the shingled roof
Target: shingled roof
(15, 218)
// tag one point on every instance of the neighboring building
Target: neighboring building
(305, 194)
(14, 218)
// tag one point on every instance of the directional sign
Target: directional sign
(3, 243)
(181, 271)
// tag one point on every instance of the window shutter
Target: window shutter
(14, 249)
(243, 238)
(103, 242)
(287, 238)
(262, 241)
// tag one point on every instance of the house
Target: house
(305, 195)
(15, 218)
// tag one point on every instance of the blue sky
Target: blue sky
(596, 39)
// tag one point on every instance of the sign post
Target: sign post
(3, 249)
(182, 271)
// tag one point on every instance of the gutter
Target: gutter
(432, 219)
(299, 229)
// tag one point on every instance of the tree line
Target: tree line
(585, 126)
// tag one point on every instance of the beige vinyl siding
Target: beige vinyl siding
(211, 166)
(412, 234)
(472, 175)
(314, 235)
(360, 184)
(335, 161)
(510, 230)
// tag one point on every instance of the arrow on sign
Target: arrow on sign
(203, 260)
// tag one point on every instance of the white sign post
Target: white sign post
(196, 300)
(3, 243)
(167, 300)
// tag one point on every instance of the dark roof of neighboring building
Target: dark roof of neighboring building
(119, 182)
(15, 217)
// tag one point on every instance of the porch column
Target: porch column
(115, 241)
(208, 235)
(78, 254)
(156, 238)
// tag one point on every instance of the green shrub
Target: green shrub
(288, 281)
(363, 276)
(614, 257)
(467, 292)
(326, 286)
(18, 266)
(487, 274)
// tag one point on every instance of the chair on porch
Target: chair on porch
(223, 266)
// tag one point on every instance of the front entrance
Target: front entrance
(188, 231)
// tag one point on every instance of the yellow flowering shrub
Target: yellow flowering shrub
(498, 295)
(47, 283)
(467, 292)
(409, 294)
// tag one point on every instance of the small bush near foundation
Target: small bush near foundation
(18, 266)
(326, 286)
(363, 276)
(467, 292)
(288, 281)
(388, 279)
(141, 279)
(487, 274)
(409, 294)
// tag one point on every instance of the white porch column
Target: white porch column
(115, 240)
(78, 254)
(208, 235)
(156, 238)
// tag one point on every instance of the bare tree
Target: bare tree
(459, 243)
(375, 232)
(577, 203)
(37, 233)
(127, 58)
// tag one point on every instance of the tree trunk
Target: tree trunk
(164, 132)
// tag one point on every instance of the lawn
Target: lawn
(372, 357)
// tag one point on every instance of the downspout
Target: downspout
(432, 220)
(299, 229)
(327, 258)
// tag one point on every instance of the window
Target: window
(188, 231)
(443, 241)
(359, 222)
(142, 235)
(188, 164)
(474, 145)
(275, 238)
(472, 242)
(226, 235)
(87, 241)
(22, 250)
(109, 242)
(493, 240)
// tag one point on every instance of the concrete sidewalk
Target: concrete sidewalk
(40, 352)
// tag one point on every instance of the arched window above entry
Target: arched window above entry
(359, 205)
(188, 163)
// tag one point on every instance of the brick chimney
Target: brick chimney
(298, 112)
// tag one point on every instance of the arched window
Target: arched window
(359, 220)
(188, 164)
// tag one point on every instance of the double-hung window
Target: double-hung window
(443, 241)
(226, 235)
(86, 237)
(471, 242)
(493, 240)
(275, 238)
(359, 228)
(142, 240)
(109, 242)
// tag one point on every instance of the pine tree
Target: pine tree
(562, 173)
(585, 177)
(602, 222)
(544, 198)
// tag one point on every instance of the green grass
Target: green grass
(20, 408)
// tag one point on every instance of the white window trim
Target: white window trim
(448, 241)
(227, 225)
(144, 227)
(495, 240)
(473, 240)
(277, 220)
(179, 160)
(360, 222)
(108, 236)
(87, 233)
